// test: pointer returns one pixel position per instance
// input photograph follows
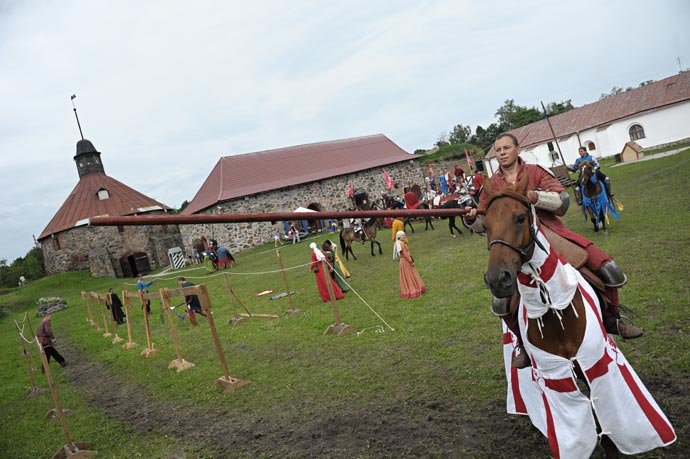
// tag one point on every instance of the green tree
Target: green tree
(460, 134)
(442, 140)
(556, 108)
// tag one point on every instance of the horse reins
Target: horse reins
(530, 216)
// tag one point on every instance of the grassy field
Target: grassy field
(419, 378)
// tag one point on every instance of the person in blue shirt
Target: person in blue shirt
(144, 287)
(585, 156)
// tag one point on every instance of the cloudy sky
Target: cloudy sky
(165, 88)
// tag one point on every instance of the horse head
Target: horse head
(587, 172)
(509, 222)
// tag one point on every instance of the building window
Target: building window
(591, 146)
(636, 132)
(120, 229)
(56, 242)
(103, 194)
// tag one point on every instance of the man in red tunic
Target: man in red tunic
(551, 201)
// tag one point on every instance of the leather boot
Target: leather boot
(617, 326)
(63, 364)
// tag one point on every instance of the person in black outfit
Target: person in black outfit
(115, 306)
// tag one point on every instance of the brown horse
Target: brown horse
(557, 311)
(369, 230)
(595, 201)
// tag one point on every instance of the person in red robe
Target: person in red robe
(317, 268)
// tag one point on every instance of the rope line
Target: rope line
(21, 330)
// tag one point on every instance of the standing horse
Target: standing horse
(560, 321)
(595, 202)
(369, 230)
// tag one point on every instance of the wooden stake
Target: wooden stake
(236, 319)
(150, 350)
(229, 382)
(180, 363)
(71, 449)
(35, 390)
(129, 344)
(88, 308)
(98, 297)
(292, 310)
(338, 328)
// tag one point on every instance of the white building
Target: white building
(652, 115)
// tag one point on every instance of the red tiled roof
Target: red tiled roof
(83, 203)
(653, 96)
(251, 173)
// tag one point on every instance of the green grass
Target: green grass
(446, 345)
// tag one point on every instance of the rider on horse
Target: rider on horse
(584, 156)
(551, 201)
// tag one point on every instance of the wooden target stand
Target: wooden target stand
(180, 363)
(236, 318)
(71, 449)
(143, 297)
(88, 309)
(292, 311)
(227, 381)
(338, 328)
(109, 301)
(101, 304)
(125, 298)
(26, 351)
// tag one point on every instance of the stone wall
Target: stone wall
(99, 248)
(327, 195)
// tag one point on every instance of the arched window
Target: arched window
(591, 146)
(636, 132)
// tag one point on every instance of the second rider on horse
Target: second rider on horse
(551, 201)
(584, 156)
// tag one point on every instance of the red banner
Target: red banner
(389, 181)
(351, 191)
(467, 156)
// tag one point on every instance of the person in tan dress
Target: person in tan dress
(411, 284)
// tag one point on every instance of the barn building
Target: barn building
(653, 115)
(315, 176)
(69, 244)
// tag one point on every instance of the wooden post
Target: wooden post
(88, 308)
(71, 449)
(129, 344)
(338, 327)
(180, 363)
(98, 297)
(150, 350)
(236, 319)
(292, 310)
(35, 390)
(230, 383)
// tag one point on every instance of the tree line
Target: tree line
(30, 266)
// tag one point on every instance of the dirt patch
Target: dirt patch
(422, 429)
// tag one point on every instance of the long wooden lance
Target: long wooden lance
(553, 134)
(268, 217)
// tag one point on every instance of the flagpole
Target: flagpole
(75, 115)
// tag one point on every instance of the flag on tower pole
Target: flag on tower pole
(351, 191)
(467, 156)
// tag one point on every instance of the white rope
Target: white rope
(363, 301)
(21, 330)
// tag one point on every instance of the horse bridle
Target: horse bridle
(530, 216)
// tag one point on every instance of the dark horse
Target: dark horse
(562, 331)
(595, 202)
